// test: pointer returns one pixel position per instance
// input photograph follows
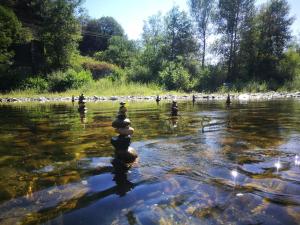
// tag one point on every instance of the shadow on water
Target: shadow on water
(56, 165)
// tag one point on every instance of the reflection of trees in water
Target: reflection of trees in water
(41, 143)
(32, 137)
(49, 203)
(120, 170)
(123, 185)
(258, 125)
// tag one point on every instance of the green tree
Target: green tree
(10, 32)
(60, 32)
(202, 12)
(97, 33)
(166, 39)
(230, 20)
(289, 65)
(274, 35)
(54, 25)
(179, 35)
(247, 55)
(27, 11)
(153, 40)
(120, 51)
(153, 30)
(175, 77)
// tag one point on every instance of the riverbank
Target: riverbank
(167, 97)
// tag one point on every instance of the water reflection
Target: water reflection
(210, 165)
(123, 185)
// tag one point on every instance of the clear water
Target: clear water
(214, 165)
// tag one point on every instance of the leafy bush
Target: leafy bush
(14, 77)
(175, 77)
(61, 81)
(118, 74)
(254, 86)
(37, 83)
(242, 86)
(140, 73)
(99, 69)
(119, 52)
(289, 66)
(203, 80)
(210, 79)
(293, 85)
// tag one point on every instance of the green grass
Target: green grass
(246, 87)
(106, 87)
(102, 87)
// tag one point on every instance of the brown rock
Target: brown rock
(127, 156)
(119, 123)
(125, 131)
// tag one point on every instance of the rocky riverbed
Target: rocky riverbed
(199, 97)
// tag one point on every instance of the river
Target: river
(211, 165)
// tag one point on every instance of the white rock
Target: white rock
(244, 97)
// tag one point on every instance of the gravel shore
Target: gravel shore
(199, 97)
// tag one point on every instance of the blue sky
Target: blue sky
(131, 14)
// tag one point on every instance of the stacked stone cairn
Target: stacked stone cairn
(174, 109)
(81, 103)
(228, 101)
(157, 99)
(123, 152)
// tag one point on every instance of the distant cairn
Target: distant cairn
(174, 109)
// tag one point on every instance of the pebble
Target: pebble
(84, 182)
(113, 98)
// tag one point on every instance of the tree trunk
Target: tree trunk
(229, 70)
(234, 63)
(204, 49)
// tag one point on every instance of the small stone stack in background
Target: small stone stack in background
(82, 109)
(174, 109)
(121, 143)
(228, 101)
(157, 99)
(81, 103)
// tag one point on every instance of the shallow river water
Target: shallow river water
(211, 165)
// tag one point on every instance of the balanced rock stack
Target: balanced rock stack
(174, 109)
(81, 103)
(157, 99)
(121, 143)
(228, 101)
